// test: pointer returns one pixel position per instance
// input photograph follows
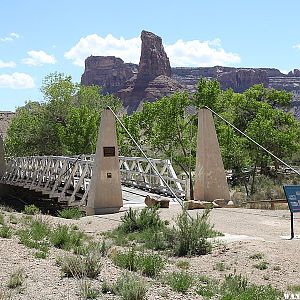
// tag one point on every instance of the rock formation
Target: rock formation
(153, 78)
(109, 72)
(241, 79)
(153, 61)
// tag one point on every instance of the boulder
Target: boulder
(160, 202)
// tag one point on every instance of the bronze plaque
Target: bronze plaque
(109, 151)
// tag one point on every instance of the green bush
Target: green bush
(235, 287)
(150, 264)
(80, 266)
(258, 255)
(31, 210)
(66, 238)
(207, 287)
(191, 234)
(180, 281)
(126, 260)
(16, 279)
(87, 291)
(35, 235)
(130, 287)
(1, 218)
(5, 232)
(262, 265)
(133, 220)
(70, 213)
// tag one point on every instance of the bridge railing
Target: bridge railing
(68, 178)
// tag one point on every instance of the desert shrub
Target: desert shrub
(183, 264)
(130, 287)
(147, 218)
(207, 287)
(2, 220)
(236, 287)
(13, 219)
(70, 213)
(191, 234)
(80, 266)
(66, 238)
(35, 235)
(126, 260)
(5, 232)
(221, 266)
(16, 279)
(41, 254)
(180, 281)
(31, 210)
(150, 264)
(257, 255)
(262, 265)
(87, 291)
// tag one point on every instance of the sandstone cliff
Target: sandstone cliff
(153, 78)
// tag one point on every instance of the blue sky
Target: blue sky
(39, 37)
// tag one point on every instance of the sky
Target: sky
(40, 37)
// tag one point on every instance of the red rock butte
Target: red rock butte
(154, 78)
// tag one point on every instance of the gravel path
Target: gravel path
(247, 232)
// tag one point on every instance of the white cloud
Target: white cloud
(38, 58)
(7, 64)
(200, 54)
(297, 46)
(16, 81)
(9, 38)
(128, 50)
(181, 53)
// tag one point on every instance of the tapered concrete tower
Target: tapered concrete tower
(2, 158)
(105, 194)
(210, 177)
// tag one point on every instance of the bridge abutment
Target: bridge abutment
(210, 177)
(105, 194)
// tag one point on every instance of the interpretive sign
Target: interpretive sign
(292, 194)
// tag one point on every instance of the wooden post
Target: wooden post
(210, 177)
(105, 194)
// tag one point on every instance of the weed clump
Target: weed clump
(180, 281)
(130, 287)
(191, 234)
(66, 238)
(70, 213)
(148, 264)
(16, 279)
(31, 210)
(5, 232)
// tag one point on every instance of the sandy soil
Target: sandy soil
(246, 232)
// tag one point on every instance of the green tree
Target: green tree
(65, 123)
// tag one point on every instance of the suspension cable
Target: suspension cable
(148, 160)
(253, 141)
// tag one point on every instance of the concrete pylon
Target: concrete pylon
(2, 158)
(105, 194)
(210, 177)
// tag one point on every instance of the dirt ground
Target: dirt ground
(247, 232)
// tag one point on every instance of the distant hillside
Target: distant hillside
(153, 78)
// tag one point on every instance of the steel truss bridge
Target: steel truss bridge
(67, 179)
